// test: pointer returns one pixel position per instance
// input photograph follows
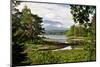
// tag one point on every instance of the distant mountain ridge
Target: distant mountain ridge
(54, 32)
(53, 25)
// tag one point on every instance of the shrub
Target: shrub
(44, 57)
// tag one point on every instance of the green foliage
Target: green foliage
(18, 55)
(44, 57)
(84, 29)
(76, 31)
(71, 31)
(81, 16)
(31, 25)
(25, 27)
(90, 44)
(92, 28)
(81, 13)
(64, 56)
(17, 48)
(60, 56)
(74, 55)
(26, 17)
(90, 48)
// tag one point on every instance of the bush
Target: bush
(44, 57)
(76, 40)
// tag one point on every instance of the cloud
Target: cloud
(46, 25)
(52, 25)
(53, 12)
(59, 25)
(50, 15)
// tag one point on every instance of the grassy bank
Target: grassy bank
(63, 56)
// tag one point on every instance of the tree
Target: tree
(75, 31)
(31, 25)
(70, 32)
(25, 27)
(92, 28)
(18, 57)
(81, 15)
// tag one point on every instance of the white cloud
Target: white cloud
(59, 25)
(54, 12)
(50, 15)
(45, 25)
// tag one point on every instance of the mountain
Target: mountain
(54, 32)
(52, 25)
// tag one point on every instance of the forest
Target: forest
(29, 48)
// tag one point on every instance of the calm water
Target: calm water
(57, 38)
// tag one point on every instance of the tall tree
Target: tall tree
(81, 15)
(25, 27)
(18, 57)
(31, 24)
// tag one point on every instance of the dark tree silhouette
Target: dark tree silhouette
(17, 48)
(81, 15)
(25, 27)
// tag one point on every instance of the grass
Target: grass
(63, 56)
(74, 55)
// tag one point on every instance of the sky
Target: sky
(55, 16)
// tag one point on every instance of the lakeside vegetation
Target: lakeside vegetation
(28, 48)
